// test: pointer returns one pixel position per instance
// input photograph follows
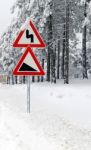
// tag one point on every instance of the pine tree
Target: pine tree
(58, 58)
(43, 63)
(66, 57)
(49, 26)
(84, 49)
(63, 53)
(46, 15)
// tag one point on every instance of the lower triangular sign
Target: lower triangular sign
(28, 65)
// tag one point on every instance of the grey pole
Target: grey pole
(28, 94)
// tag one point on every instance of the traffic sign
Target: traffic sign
(28, 65)
(29, 36)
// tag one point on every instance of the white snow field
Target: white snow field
(60, 117)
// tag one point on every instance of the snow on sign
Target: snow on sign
(29, 36)
(28, 65)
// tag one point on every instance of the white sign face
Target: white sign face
(29, 37)
(28, 64)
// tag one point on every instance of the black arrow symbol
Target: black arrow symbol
(30, 36)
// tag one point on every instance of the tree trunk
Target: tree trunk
(49, 24)
(33, 79)
(48, 66)
(24, 79)
(38, 79)
(42, 78)
(58, 59)
(12, 79)
(8, 79)
(63, 54)
(53, 64)
(66, 58)
(84, 46)
(16, 80)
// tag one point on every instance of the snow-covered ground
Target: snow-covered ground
(60, 117)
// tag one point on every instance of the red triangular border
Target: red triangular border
(25, 73)
(42, 44)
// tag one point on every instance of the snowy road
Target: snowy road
(53, 123)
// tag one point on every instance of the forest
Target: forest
(66, 30)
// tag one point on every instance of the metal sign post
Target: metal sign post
(28, 64)
(28, 94)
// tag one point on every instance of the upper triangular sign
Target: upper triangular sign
(29, 36)
(28, 65)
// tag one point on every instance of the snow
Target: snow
(59, 119)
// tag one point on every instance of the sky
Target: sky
(5, 15)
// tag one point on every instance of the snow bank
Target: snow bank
(59, 119)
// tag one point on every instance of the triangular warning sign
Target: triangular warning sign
(29, 36)
(28, 65)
